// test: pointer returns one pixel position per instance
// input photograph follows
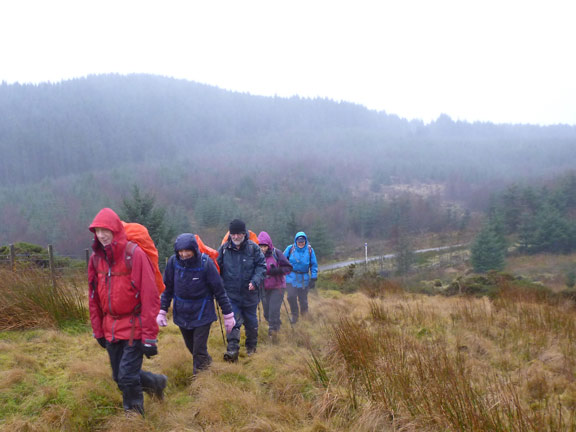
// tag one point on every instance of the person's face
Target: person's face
(237, 239)
(264, 248)
(185, 254)
(300, 243)
(105, 236)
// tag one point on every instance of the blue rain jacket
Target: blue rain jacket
(304, 263)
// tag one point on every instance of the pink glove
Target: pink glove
(161, 319)
(229, 322)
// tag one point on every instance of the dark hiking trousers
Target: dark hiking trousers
(272, 305)
(196, 341)
(297, 297)
(247, 316)
(126, 362)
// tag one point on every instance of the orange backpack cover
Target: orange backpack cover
(251, 235)
(212, 253)
(138, 234)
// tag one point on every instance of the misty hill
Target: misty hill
(50, 130)
(209, 155)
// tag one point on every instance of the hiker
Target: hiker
(124, 303)
(277, 267)
(303, 276)
(242, 267)
(192, 280)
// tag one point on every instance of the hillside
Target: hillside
(209, 155)
(52, 130)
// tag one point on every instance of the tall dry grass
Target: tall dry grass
(29, 300)
(377, 360)
(459, 364)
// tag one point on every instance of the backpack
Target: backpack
(251, 236)
(212, 253)
(275, 255)
(138, 235)
(203, 260)
(309, 251)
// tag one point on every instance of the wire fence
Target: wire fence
(388, 265)
(56, 268)
(63, 267)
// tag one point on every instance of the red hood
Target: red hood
(107, 218)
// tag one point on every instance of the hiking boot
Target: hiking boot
(250, 351)
(134, 412)
(293, 319)
(158, 391)
(231, 356)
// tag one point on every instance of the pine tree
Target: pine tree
(552, 232)
(320, 240)
(141, 209)
(488, 252)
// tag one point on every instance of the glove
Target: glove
(102, 341)
(161, 319)
(312, 284)
(149, 350)
(275, 271)
(229, 322)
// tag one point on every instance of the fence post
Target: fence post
(87, 254)
(12, 257)
(51, 263)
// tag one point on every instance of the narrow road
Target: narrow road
(341, 264)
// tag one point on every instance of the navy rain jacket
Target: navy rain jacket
(193, 284)
(239, 267)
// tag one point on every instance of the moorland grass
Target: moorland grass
(378, 358)
(28, 299)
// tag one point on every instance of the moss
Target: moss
(234, 378)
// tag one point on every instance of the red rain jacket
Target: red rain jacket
(123, 304)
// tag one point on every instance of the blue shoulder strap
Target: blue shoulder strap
(309, 251)
(203, 260)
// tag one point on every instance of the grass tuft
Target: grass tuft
(28, 300)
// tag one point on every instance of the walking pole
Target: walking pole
(260, 296)
(287, 313)
(220, 321)
(259, 313)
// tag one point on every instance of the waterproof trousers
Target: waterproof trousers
(272, 305)
(126, 362)
(247, 316)
(298, 301)
(196, 341)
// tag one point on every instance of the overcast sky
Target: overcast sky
(503, 61)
